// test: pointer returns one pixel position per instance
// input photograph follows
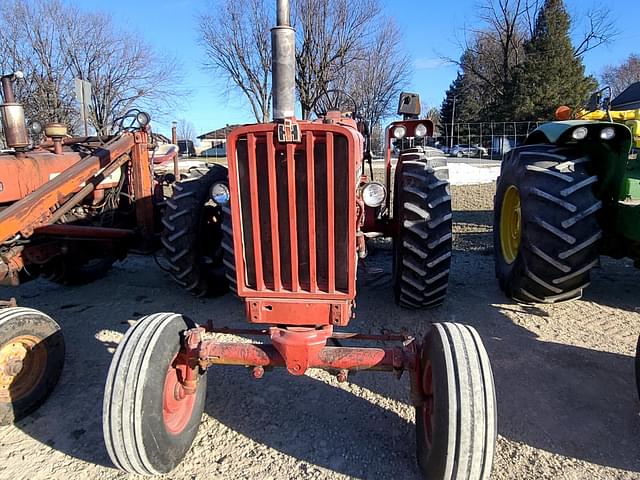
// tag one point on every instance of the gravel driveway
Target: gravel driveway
(568, 408)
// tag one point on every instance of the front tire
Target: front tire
(422, 213)
(31, 360)
(148, 428)
(456, 420)
(545, 228)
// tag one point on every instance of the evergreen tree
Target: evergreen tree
(467, 103)
(550, 75)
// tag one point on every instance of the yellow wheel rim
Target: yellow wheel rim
(22, 365)
(510, 224)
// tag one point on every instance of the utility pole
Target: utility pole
(453, 116)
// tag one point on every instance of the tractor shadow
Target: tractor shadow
(562, 398)
(316, 421)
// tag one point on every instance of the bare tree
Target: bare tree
(332, 35)
(598, 28)
(621, 76)
(53, 42)
(237, 43)
(377, 79)
(186, 130)
(29, 42)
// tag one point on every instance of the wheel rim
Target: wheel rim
(177, 406)
(428, 405)
(510, 224)
(23, 361)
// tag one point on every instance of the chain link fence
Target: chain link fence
(487, 139)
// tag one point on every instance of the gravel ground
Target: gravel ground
(568, 408)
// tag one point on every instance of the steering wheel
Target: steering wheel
(334, 99)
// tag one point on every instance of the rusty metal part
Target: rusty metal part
(283, 54)
(142, 180)
(82, 231)
(22, 176)
(7, 88)
(334, 335)
(8, 303)
(23, 362)
(193, 341)
(307, 260)
(310, 312)
(87, 189)
(299, 349)
(35, 210)
(177, 404)
(13, 125)
(10, 265)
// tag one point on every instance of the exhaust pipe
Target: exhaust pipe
(15, 129)
(283, 54)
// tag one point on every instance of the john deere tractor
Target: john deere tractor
(568, 195)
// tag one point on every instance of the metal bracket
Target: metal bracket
(11, 303)
(289, 132)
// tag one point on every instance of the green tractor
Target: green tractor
(569, 194)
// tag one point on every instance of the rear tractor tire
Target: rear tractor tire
(545, 228)
(422, 212)
(31, 360)
(149, 422)
(456, 420)
(192, 236)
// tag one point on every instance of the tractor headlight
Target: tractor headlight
(607, 133)
(373, 194)
(35, 127)
(421, 130)
(220, 193)
(143, 119)
(579, 133)
(399, 132)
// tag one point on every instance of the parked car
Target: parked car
(468, 151)
(215, 152)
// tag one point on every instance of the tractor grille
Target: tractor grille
(296, 206)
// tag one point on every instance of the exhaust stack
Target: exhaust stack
(15, 129)
(283, 54)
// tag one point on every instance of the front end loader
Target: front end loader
(69, 208)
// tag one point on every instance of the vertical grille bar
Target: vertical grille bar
(311, 201)
(255, 210)
(331, 214)
(293, 227)
(273, 207)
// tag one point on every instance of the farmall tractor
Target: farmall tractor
(69, 208)
(570, 194)
(298, 207)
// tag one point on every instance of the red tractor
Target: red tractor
(298, 211)
(69, 208)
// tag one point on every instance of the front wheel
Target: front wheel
(456, 419)
(31, 361)
(149, 422)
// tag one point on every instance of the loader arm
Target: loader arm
(45, 205)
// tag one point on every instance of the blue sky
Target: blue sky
(432, 29)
